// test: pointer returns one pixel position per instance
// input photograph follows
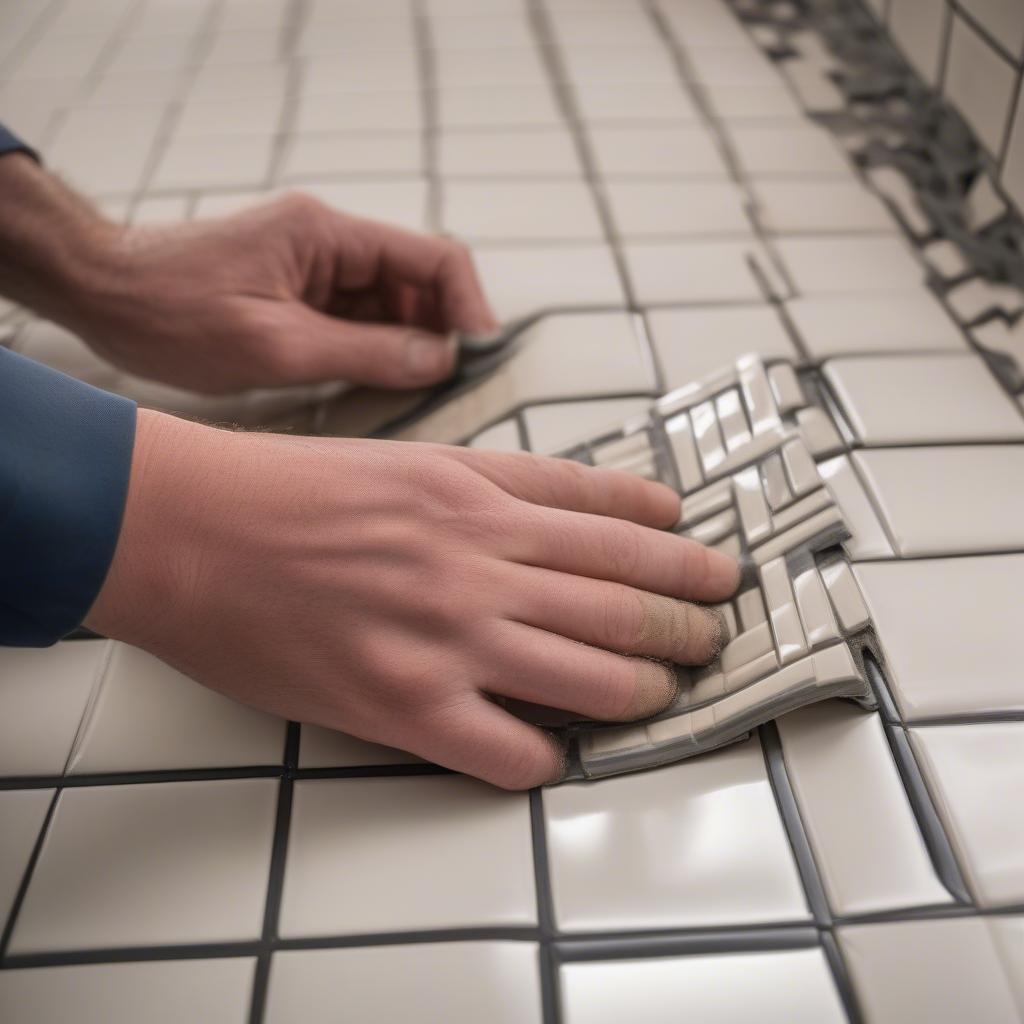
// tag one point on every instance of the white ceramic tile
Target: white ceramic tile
(487, 31)
(380, 113)
(243, 161)
(22, 813)
(552, 428)
(979, 82)
(43, 695)
(941, 971)
(1008, 935)
(517, 210)
(397, 854)
(944, 501)
(879, 322)
(781, 987)
(454, 982)
(715, 270)
(695, 844)
(195, 855)
(748, 102)
(693, 343)
(976, 776)
(675, 152)
(795, 149)
(732, 65)
(367, 34)
(918, 28)
(1013, 166)
(923, 399)
(845, 263)
(165, 52)
(868, 537)
(498, 107)
(626, 65)
(396, 202)
(654, 209)
(309, 156)
(502, 437)
(227, 81)
(326, 748)
(157, 992)
(1002, 19)
(622, 104)
(977, 600)
(520, 280)
(504, 154)
(244, 46)
(147, 716)
(865, 839)
(360, 76)
(481, 69)
(819, 207)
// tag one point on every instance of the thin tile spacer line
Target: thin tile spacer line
(426, 61)
(549, 989)
(841, 977)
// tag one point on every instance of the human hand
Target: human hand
(400, 592)
(290, 292)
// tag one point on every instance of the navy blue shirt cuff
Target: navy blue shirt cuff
(65, 459)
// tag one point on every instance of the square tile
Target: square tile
(22, 813)
(695, 844)
(402, 202)
(976, 776)
(753, 103)
(146, 716)
(946, 501)
(653, 209)
(732, 65)
(975, 599)
(540, 152)
(914, 320)
(310, 156)
(554, 427)
(376, 113)
(625, 104)
(327, 748)
(665, 152)
(524, 280)
(844, 263)
(43, 695)
(781, 987)
(157, 992)
(454, 982)
(787, 149)
(622, 65)
(819, 207)
(498, 107)
(868, 537)
(406, 854)
(243, 161)
(517, 210)
(942, 971)
(693, 343)
(195, 855)
(923, 399)
(979, 82)
(865, 839)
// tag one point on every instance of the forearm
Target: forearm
(55, 248)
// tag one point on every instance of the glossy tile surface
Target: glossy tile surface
(401, 854)
(195, 854)
(976, 774)
(554, 427)
(158, 992)
(326, 748)
(914, 604)
(697, 844)
(781, 987)
(456, 982)
(22, 813)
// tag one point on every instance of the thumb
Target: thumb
(382, 355)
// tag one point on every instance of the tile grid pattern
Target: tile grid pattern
(556, 948)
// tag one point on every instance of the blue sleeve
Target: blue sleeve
(65, 457)
(10, 143)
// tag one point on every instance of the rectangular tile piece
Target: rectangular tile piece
(712, 530)
(816, 613)
(942, 971)
(22, 812)
(732, 420)
(750, 606)
(708, 435)
(455, 982)
(776, 488)
(945, 501)
(821, 522)
(923, 399)
(607, 844)
(684, 448)
(446, 852)
(752, 507)
(786, 388)
(194, 854)
(793, 985)
(801, 509)
(847, 263)
(157, 991)
(976, 775)
(857, 815)
(714, 498)
(557, 425)
(845, 595)
(975, 600)
(749, 645)
(818, 431)
(800, 469)
(790, 642)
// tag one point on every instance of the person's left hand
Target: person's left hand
(290, 292)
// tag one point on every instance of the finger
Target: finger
(550, 670)
(564, 484)
(618, 618)
(482, 739)
(317, 347)
(612, 549)
(442, 265)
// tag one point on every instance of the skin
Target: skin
(401, 592)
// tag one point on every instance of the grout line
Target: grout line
(545, 910)
(426, 58)
(841, 977)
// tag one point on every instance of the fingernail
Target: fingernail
(723, 572)
(427, 355)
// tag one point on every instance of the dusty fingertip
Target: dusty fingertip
(657, 688)
(561, 747)
(719, 633)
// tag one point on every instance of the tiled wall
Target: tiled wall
(972, 51)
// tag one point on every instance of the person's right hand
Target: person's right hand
(400, 591)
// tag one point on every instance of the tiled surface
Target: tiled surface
(609, 157)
